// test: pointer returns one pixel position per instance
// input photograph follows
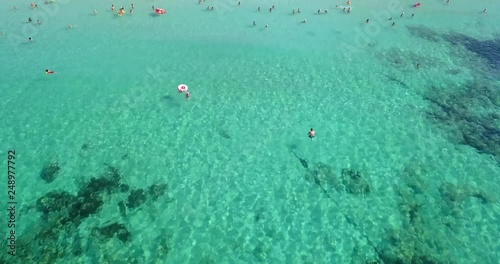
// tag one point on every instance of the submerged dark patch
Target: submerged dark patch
(470, 112)
(486, 49)
(424, 32)
(49, 172)
(111, 230)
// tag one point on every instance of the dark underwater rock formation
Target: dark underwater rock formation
(424, 32)
(56, 236)
(122, 208)
(55, 202)
(488, 49)
(62, 213)
(111, 230)
(49, 172)
(354, 182)
(136, 198)
(324, 175)
(157, 190)
(456, 194)
(470, 112)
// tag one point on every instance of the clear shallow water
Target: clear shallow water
(237, 192)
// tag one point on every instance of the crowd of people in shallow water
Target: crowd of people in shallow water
(122, 11)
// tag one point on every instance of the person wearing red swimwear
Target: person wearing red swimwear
(49, 71)
(312, 134)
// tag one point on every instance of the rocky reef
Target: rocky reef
(49, 172)
(351, 181)
(469, 112)
(57, 235)
(487, 49)
(417, 239)
(454, 195)
(355, 182)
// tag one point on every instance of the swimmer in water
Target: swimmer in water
(267, 26)
(402, 14)
(367, 20)
(95, 12)
(112, 7)
(304, 21)
(298, 10)
(254, 23)
(319, 11)
(49, 71)
(312, 134)
(412, 15)
(188, 94)
(393, 23)
(326, 11)
(30, 39)
(38, 22)
(132, 6)
(258, 9)
(29, 20)
(239, 2)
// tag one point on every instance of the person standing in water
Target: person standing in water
(312, 134)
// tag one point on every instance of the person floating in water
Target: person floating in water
(312, 134)
(47, 71)
(188, 94)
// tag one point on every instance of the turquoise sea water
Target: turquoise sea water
(404, 167)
